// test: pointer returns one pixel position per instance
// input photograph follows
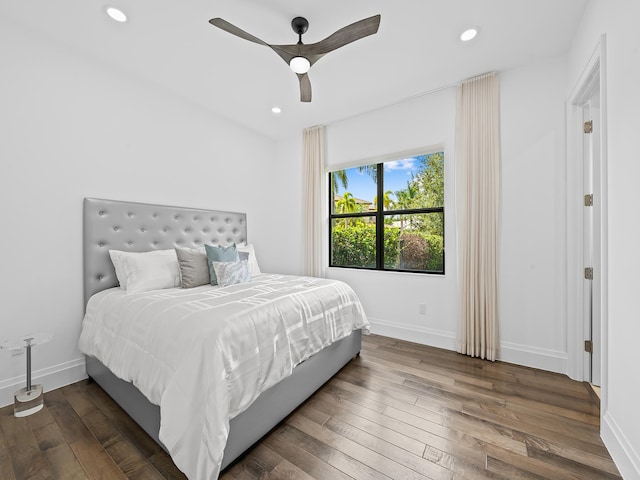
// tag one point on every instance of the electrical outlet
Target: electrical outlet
(422, 308)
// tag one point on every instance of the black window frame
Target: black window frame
(379, 215)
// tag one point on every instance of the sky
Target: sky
(396, 175)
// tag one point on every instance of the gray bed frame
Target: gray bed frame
(136, 227)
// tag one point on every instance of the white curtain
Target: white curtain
(312, 182)
(477, 204)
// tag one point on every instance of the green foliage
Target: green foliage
(419, 251)
(354, 244)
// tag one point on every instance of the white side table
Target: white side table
(27, 400)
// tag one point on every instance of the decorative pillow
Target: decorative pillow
(219, 254)
(231, 273)
(254, 269)
(143, 271)
(194, 269)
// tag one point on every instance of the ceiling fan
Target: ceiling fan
(301, 57)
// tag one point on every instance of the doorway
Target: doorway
(587, 279)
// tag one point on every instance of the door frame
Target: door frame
(578, 366)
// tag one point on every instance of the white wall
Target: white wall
(533, 216)
(72, 128)
(532, 263)
(391, 299)
(620, 422)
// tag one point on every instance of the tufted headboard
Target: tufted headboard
(140, 227)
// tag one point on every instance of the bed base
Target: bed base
(269, 409)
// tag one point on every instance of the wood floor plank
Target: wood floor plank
(305, 461)
(26, 458)
(64, 464)
(399, 411)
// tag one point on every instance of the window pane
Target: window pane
(353, 242)
(414, 182)
(354, 189)
(414, 242)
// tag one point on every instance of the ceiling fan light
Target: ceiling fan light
(300, 65)
(116, 14)
(469, 34)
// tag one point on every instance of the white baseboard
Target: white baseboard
(51, 378)
(622, 452)
(527, 356)
(542, 358)
(411, 333)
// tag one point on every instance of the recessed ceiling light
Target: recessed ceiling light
(469, 34)
(276, 110)
(117, 14)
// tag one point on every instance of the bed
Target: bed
(138, 227)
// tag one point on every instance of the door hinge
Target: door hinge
(588, 126)
(588, 200)
(588, 273)
(588, 346)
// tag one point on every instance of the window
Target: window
(404, 230)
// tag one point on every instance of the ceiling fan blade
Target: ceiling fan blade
(228, 27)
(305, 87)
(344, 36)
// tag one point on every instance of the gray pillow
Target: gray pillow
(220, 254)
(194, 269)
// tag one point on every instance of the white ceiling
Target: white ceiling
(416, 49)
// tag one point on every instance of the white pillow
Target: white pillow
(143, 271)
(116, 259)
(254, 268)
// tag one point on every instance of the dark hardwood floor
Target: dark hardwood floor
(399, 411)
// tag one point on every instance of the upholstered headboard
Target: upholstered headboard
(139, 227)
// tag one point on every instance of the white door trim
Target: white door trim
(593, 73)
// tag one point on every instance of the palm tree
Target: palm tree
(338, 176)
(406, 199)
(346, 204)
(387, 201)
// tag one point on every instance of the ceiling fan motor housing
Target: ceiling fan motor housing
(300, 25)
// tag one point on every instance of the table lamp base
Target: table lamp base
(28, 402)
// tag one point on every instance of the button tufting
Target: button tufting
(100, 277)
(115, 229)
(129, 243)
(214, 219)
(227, 220)
(196, 218)
(176, 217)
(155, 244)
(101, 212)
(187, 230)
(130, 214)
(205, 230)
(101, 244)
(155, 215)
(143, 229)
(221, 231)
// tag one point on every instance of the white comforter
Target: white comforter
(205, 354)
